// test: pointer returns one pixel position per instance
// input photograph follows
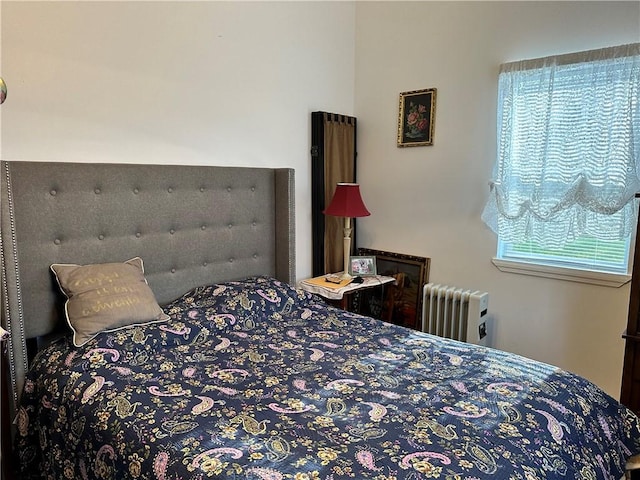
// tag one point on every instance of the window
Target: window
(568, 163)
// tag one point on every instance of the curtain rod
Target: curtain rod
(620, 51)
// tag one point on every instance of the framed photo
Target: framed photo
(401, 301)
(362, 266)
(416, 118)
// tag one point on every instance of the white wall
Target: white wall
(219, 83)
(428, 200)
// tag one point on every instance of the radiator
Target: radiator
(452, 312)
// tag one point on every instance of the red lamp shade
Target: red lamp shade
(347, 202)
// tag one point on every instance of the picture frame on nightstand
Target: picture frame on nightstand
(362, 266)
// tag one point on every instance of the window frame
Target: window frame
(605, 279)
(567, 268)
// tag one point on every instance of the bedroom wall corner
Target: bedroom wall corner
(427, 200)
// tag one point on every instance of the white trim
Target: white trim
(562, 273)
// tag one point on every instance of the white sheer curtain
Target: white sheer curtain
(568, 148)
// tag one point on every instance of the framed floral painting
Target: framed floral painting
(416, 118)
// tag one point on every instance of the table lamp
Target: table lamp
(347, 203)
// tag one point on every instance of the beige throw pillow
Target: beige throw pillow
(106, 297)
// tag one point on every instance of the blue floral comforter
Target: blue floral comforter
(257, 380)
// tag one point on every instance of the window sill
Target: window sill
(562, 273)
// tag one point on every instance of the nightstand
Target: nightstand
(343, 296)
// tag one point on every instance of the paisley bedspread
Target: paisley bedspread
(257, 380)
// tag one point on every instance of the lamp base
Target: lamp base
(345, 276)
(347, 248)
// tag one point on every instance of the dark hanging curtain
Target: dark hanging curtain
(333, 153)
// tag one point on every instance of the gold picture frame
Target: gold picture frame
(402, 300)
(416, 117)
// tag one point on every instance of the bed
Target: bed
(241, 375)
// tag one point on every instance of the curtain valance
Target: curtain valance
(568, 147)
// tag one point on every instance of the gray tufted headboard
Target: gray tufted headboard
(191, 225)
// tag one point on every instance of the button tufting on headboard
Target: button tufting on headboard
(176, 235)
